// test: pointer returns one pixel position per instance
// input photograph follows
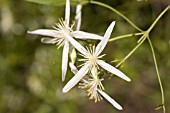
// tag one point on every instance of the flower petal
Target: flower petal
(73, 68)
(78, 16)
(86, 35)
(113, 70)
(67, 12)
(104, 41)
(78, 46)
(45, 32)
(80, 74)
(112, 101)
(49, 40)
(65, 59)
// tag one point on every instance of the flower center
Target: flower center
(92, 59)
(92, 85)
(62, 27)
(62, 36)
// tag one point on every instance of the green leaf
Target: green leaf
(53, 2)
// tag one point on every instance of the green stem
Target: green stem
(114, 10)
(131, 52)
(157, 19)
(145, 35)
(158, 75)
(124, 36)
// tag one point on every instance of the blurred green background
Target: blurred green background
(30, 72)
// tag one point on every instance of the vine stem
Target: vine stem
(158, 75)
(114, 10)
(157, 19)
(124, 36)
(145, 35)
(131, 52)
(154, 57)
(140, 42)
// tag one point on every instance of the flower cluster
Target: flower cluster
(88, 76)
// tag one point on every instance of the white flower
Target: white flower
(92, 83)
(94, 87)
(60, 38)
(92, 59)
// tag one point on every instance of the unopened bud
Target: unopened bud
(73, 55)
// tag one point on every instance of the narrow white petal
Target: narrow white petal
(80, 74)
(112, 101)
(45, 32)
(113, 70)
(78, 16)
(65, 59)
(73, 68)
(86, 35)
(67, 12)
(104, 41)
(78, 46)
(49, 40)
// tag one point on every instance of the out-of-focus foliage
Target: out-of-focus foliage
(53, 2)
(30, 72)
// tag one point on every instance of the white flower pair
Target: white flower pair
(61, 39)
(92, 61)
(63, 35)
